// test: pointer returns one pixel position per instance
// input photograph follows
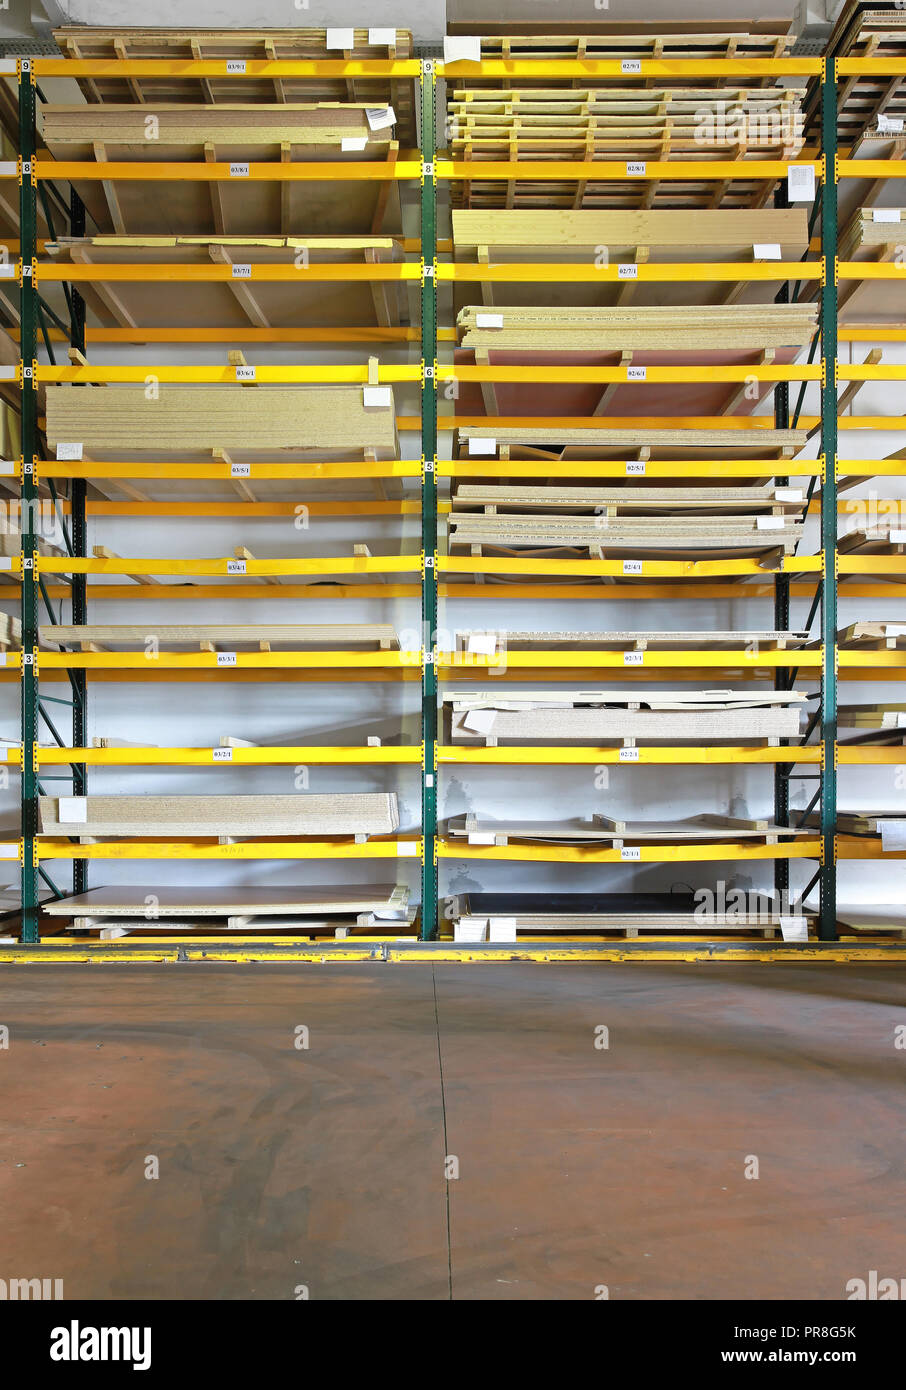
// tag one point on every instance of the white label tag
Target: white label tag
(235, 567)
(8, 272)
(794, 928)
(627, 272)
(770, 523)
(241, 272)
(636, 470)
(343, 39)
(377, 38)
(7, 468)
(2, 658)
(481, 837)
(406, 850)
(890, 125)
(8, 851)
(245, 373)
(240, 470)
(222, 755)
(631, 65)
(898, 538)
(354, 143)
(69, 451)
(501, 928)
(636, 169)
(885, 214)
(895, 630)
(480, 721)
(380, 117)
(239, 171)
(484, 447)
(766, 251)
(633, 658)
(73, 809)
(462, 50)
(632, 566)
(236, 66)
(636, 373)
(788, 494)
(629, 755)
(893, 835)
(801, 183)
(377, 397)
(482, 643)
(6, 562)
(632, 853)
(226, 658)
(489, 320)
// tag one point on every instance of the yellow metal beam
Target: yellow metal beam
(107, 272)
(217, 172)
(205, 757)
(204, 661)
(227, 567)
(615, 170)
(220, 67)
(644, 854)
(610, 468)
(215, 374)
(537, 660)
(568, 376)
(46, 849)
(682, 569)
(672, 272)
(667, 756)
(216, 472)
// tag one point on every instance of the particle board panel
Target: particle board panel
(132, 901)
(567, 443)
(287, 303)
(704, 829)
(631, 499)
(721, 536)
(286, 44)
(234, 135)
(289, 636)
(634, 640)
(585, 724)
(306, 813)
(626, 923)
(188, 423)
(873, 235)
(646, 328)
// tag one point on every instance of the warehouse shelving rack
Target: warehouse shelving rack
(798, 577)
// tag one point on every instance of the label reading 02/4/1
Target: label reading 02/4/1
(632, 566)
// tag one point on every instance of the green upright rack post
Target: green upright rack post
(782, 609)
(28, 218)
(828, 873)
(428, 91)
(79, 535)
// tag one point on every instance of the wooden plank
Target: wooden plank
(304, 813)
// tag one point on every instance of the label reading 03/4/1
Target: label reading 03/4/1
(236, 567)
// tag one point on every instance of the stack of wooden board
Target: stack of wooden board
(505, 639)
(868, 723)
(571, 442)
(190, 423)
(238, 302)
(631, 499)
(874, 636)
(610, 832)
(232, 637)
(235, 135)
(10, 632)
(865, 29)
(613, 136)
(703, 716)
(244, 817)
(712, 328)
(121, 909)
(628, 122)
(513, 236)
(237, 46)
(872, 236)
(639, 537)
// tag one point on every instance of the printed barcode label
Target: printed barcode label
(235, 567)
(239, 171)
(627, 272)
(222, 755)
(633, 658)
(242, 272)
(240, 470)
(226, 658)
(801, 183)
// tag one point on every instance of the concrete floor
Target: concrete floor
(578, 1167)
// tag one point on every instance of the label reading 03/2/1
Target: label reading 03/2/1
(222, 755)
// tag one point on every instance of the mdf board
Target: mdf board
(237, 45)
(630, 500)
(604, 831)
(238, 303)
(636, 535)
(191, 422)
(637, 640)
(305, 813)
(512, 236)
(592, 724)
(129, 900)
(233, 135)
